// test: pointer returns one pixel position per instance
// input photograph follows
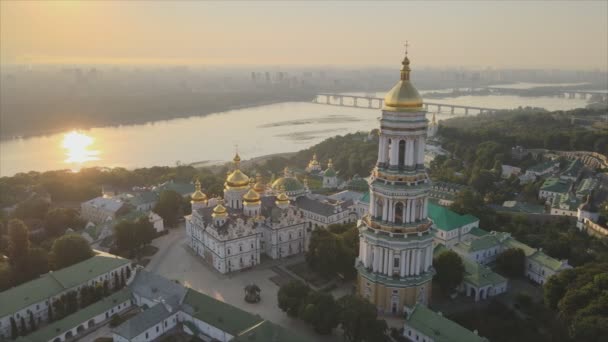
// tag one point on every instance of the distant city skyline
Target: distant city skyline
(543, 35)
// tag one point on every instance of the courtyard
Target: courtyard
(175, 261)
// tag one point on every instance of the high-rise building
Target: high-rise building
(395, 252)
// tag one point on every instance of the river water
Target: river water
(257, 131)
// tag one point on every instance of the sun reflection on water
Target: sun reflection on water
(77, 146)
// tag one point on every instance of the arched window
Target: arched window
(401, 152)
(399, 212)
(379, 208)
(388, 151)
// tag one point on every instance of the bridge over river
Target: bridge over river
(376, 103)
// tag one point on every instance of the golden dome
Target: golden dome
(314, 160)
(251, 196)
(237, 178)
(198, 195)
(259, 186)
(219, 211)
(403, 96)
(282, 198)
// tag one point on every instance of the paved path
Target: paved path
(175, 261)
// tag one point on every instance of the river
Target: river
(257, 131)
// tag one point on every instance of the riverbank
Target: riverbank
(215, 165)
(62, 115)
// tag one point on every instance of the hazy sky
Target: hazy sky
(500, 34)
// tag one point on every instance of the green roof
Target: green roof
(573, 169)
(586, 186)
(266, 331)
(476, 231)
(445, 219)
(53, 283)
(439, 328)
(80, 316)
(542, 166)
(480, 275)
(365, 197)
(512, 243)
(479, 244)
(219, 314)
(554, 184)
(330, 172)
(547, 261)
(566, 202)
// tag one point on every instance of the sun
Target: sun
(77, 146)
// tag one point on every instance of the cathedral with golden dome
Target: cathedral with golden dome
(396, 244)
(231, 233)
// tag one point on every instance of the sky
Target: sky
(505, 34)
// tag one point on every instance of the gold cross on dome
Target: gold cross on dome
(406, 46)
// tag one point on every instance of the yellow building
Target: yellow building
(396, 253)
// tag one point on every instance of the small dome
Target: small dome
(251, 196)
(219, 211)
(282, 198)
(259, 186)
(290, 184)
(198, 195)
(329, 172)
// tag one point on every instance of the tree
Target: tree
(323, 252)
(512, 262)
(321, 311)
(32, 208)
(32, 322)
(14, 329)
(169, 207)
(37, 263)
(144, 231)
(68, 250)
(50, 313)
(330, 254)
(581, 298)
(6, 278)
(131, 236)
(450, 270)
(23, 327)
(291, 297)
(358, 319)
(19, 244)
(57, 220)
(124, 234)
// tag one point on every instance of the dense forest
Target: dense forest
(531, 128)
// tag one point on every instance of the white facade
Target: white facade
(40, 308)
(238, 249)
(92, 322)
(285, 237)
(450, 238)
(156, 221)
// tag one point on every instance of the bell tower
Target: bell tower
(396, 252)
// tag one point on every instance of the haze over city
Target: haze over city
(516, 34)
